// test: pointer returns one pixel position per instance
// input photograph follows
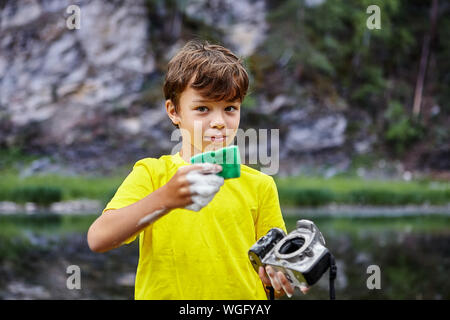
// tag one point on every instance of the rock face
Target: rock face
(242, 22)
(317, 134)
(79, 95)
(57, 86)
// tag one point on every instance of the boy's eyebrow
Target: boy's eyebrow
(211, 101)
(202, 101)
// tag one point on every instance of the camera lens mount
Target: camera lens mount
(293, 245)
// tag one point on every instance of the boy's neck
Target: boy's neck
(188, 151)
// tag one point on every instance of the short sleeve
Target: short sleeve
(269, 211)
(136, 186)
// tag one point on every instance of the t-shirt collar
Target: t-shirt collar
(178, 159)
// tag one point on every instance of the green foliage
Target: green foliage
(18, 234)
(402, 128)
(249, 102)
(108, 196)
(429, 224)
(306, 197)
(333, 54)
(377, 197)
(45, 223)
(87, 187)
(332, 39)
(442, 52)
(386, 197)
(12, 246)
(308, 191)
(41, 195)
(13, 156)
(372, 85)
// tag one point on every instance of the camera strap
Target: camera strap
(332, 275)
(271, 293)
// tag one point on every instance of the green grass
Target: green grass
(315, 191)
(346, 184)
(12, 157)
(42, 195)
(416, 224)
(293, 191)
(72, 187)
(45, 224)
(12, 185)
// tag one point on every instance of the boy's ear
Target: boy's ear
(172, 112)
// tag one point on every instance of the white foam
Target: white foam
(203, 186)
(151, 217)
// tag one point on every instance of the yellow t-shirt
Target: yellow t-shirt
(201, 255)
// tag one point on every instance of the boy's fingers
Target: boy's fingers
(202, 167)
(287, 287)
(273, 278)
(304, 289)
(263, 276)
(207, 167)
(211, 168)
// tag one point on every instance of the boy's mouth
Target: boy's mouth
(219, 138)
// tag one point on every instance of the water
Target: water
(413, 254)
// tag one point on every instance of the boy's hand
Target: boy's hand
(278, 281)
(194, 186)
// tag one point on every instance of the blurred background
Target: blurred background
(363, 115)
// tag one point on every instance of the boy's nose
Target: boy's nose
(217, 123)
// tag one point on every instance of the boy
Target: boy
(195, 228)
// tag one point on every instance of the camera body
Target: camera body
(301, 255)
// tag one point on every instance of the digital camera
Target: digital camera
(301, 255)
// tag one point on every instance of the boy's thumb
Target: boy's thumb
(207, 167)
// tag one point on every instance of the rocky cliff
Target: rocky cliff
(92, 97)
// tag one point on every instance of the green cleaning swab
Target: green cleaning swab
(228, 157)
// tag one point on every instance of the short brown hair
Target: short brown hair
(219, 73)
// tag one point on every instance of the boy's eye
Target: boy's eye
(201, 109)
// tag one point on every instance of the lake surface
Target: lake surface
(412, 253)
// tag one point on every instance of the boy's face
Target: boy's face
(206, 125)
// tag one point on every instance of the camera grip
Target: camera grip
(263, 246)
